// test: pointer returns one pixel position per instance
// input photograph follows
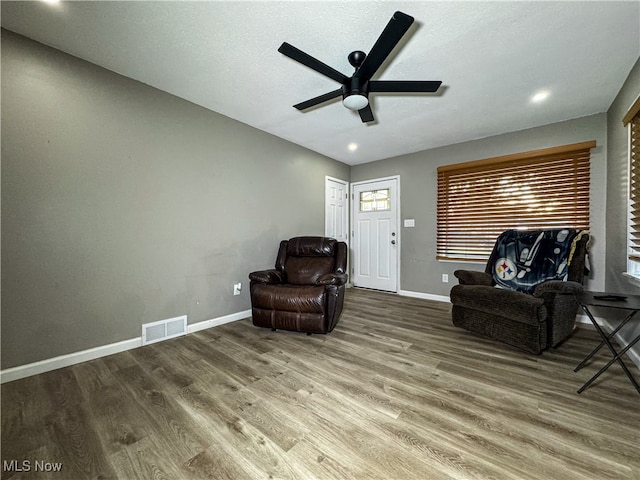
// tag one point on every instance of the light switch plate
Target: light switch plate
(409, 222)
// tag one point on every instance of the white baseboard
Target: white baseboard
(424, 296)
(23, 371)
(216, 322)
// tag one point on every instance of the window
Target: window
(533, 190)
(632, 118)
(375, 200)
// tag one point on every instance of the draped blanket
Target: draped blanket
(523, 259)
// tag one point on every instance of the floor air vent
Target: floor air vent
(164, 329)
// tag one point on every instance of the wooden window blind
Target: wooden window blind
(633, 119)
(540, 189)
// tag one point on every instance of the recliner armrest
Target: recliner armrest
(267, 276)
(471, 277)
(332, 279)
(558, 286)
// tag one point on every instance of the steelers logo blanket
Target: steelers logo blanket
(523, 259)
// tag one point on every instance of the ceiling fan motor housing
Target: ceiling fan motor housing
(356, 58)
(355, 93)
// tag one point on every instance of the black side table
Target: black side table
(630, 303)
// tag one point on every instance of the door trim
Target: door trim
(347, 219)
(398, 229)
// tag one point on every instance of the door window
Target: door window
(375, 200)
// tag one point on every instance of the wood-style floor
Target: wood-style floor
(394, 392)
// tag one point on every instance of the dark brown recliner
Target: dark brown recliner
(305, 290)
(531, 321)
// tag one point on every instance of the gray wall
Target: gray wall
(420, 271)
(617, 184)
(617, 192)
(123, 205)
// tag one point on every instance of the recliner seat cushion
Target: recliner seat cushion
(289, 298)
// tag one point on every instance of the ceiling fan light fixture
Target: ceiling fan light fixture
(355, 102)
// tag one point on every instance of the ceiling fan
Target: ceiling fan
(356, 88)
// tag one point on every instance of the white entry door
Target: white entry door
(336, 214)
(375, 231)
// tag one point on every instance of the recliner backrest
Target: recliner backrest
(305, 259)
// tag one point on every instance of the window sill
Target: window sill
(634, 279)
(462, 261)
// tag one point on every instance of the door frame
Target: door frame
(347, 218)
(397, 209)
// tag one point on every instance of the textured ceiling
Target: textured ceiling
(491, 56)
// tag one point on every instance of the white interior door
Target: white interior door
(375, 232)
(336, 214)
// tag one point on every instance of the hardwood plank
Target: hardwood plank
(146, 459)
(119, 422)
(216, 463)
(24, 403)
(178, 430)
(75, 444)
(236, 431)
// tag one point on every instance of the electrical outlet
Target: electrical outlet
(445, 278)
(237, 288)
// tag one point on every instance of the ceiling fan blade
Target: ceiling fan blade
(313, 63)
(318, 100)
(366, 115)
(403, 86)
(388, 39)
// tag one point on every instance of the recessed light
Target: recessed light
(540, 96)
(352, 146)
(51, 1)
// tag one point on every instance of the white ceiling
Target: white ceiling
(492, 57)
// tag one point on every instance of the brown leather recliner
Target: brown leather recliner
(305, 290)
